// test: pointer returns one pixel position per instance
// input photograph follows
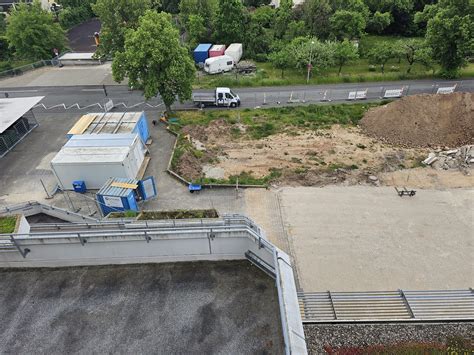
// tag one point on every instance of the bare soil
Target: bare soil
(335, 155)
(424, 121)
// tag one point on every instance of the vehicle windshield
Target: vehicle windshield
(233, 94)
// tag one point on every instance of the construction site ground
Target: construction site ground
(343, 234)
(388, 149)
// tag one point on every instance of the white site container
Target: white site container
(234, 51)
(94, 159)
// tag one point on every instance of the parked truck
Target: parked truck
(223, 97)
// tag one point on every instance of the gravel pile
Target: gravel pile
(361, 335)
(423, 121)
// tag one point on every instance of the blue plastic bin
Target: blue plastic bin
(79, 186)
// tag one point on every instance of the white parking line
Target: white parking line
(13, 91)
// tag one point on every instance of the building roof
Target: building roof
(12, 109)
(110, 190)
(103, 140)
(90, 155)
(203, 47)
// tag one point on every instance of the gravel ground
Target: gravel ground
(356, 335)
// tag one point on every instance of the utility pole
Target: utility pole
(310, 60)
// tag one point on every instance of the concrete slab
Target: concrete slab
(65, 76)
(199, 308)
(364, 238)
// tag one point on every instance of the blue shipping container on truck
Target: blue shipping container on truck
(201, 53)
(112, 123)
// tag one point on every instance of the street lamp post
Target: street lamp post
(310, 60)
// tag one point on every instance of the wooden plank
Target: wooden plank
(141, 172)
(124, 185)
(82, 124)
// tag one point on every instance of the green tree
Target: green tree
(116, 17)
(3, 23)
(196, 30)
(450, 34)
(379, 21)
(154, 60)
(230, 21)
(32, 33)
(400, 10)
(347, 24)
(283, 18)
(259, 34)
(283, 59)
(410, 49)
(382, 53)
(310, 50)
(207, 9)
(316, 14)
(344, 53)
(295, 29)
(256, 3)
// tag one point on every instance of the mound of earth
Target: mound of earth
(423, 121)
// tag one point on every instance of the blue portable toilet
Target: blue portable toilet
(118, 195)
(201, 53)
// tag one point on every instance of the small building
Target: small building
(201, 53)
(216, 50)
(120, 194)
(16, 120)
(94, 159)
(112, 123)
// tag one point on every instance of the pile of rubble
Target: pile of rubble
(461, 158)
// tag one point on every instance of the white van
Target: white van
(218, 64)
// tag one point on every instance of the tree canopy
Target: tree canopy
(154, 60)
(32, 32)
(116, 17)
(230, 21)
(450, 33)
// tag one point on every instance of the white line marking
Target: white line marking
(92, 90)
(9, 91)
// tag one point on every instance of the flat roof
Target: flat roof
(90, 155)
(102, 140)
(228, 307)
(12, 109)
(77, 56)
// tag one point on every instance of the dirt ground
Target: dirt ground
(386, 149)
(424, 121)
(337, 155)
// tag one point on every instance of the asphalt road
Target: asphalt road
(87, 98)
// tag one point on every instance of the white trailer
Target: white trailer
(235, 51)
(96, 161)
(220, 64)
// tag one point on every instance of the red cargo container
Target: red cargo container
(217, 50)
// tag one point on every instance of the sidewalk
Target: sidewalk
(65, 76)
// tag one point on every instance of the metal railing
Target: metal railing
(379, 306)
(28, 67)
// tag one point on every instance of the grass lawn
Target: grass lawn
(7, 224)
(357, 71)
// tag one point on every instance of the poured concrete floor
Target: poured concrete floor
(193, 308)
